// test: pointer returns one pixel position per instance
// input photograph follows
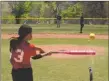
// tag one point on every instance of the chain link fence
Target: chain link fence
(95, 21)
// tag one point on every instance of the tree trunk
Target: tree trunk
(17, 19)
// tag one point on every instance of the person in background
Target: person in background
(58, 20)
(81, 23)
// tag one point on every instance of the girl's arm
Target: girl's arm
(39, 49)
(41, 55)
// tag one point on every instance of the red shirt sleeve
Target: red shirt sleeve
(32, 50)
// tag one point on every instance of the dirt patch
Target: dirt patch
(99, 50)
(7, 36)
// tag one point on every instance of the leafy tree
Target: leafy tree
(51, 9)
(36, 7)
(20, 9)
(95, 9)
(72, 11)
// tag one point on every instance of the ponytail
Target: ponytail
(15, 42)
(23, 31)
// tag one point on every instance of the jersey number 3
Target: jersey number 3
(20, 56)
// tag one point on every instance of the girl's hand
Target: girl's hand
(46, 54)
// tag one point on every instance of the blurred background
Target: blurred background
(44, 12)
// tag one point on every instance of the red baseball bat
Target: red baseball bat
(76, 52)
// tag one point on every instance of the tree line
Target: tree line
(49, 9)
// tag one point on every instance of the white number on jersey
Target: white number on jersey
(20, 56)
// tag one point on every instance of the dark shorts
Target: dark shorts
(24, 74)
(58, 22)
(82, 25)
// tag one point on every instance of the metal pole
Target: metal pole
(90, 73)
(92, 62)
(0, 34)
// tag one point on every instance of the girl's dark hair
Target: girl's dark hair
(23, 31)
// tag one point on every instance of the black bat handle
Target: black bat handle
(90, 74)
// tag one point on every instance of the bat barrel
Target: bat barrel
(80, 52)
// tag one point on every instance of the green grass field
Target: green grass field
(51, 28)
(56, 69)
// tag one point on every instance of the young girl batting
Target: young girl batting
(21, 53)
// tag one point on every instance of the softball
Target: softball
(92, 36)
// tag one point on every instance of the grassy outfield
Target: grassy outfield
(56, 69)
(51, 28)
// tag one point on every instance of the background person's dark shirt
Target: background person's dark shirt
(82, 20)
(58, 17)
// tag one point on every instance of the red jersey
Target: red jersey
(20, 58)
